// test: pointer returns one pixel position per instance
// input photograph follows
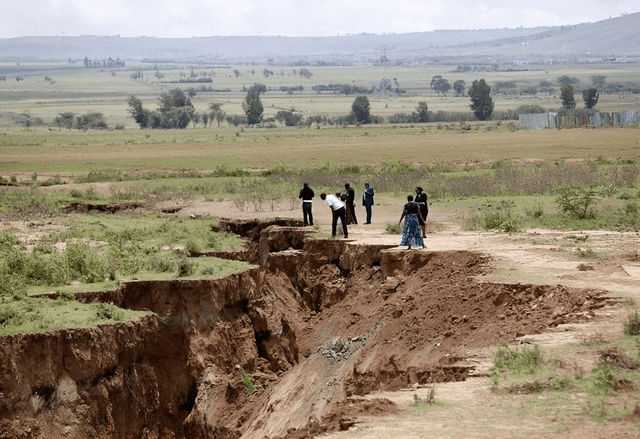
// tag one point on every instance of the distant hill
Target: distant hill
(615, 37)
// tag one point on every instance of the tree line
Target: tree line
(177, 111)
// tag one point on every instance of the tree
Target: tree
(598, 81)
(139, 114)
(216, 110)
(91, 120)
(590, 97)
(566, 96)
(195, 119)
(289, 118)
(434, 80)
(422, 112)
(360, 109)
(258, 88)
(252, 107)
(442, 86)
(481, 102)
(65, 120)
(565, 79)
(459, 87)
(220, 117)
(236, 120)
(174, 99)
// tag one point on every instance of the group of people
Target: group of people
(342, 205)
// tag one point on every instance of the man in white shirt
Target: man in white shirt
(338, 211)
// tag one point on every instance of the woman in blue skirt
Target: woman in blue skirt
(411, 232)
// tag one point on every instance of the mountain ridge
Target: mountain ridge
(614, 37)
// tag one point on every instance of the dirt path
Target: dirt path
(593, 259)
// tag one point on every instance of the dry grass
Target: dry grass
(298, 149)
(80, 90)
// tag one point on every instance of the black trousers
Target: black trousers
(307, 213)
(352, 210)
(342, 214)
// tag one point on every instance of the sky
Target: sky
(293, 18)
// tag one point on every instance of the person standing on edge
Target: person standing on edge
(367, 200)
(421, 199)
(351, 201)
(412, 219)
(338, 211)
(306, 195)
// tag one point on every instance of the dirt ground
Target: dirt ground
(470, 408)
(441, 308)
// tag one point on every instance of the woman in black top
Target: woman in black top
(421, 200)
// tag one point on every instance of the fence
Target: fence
(538, 121)
(552, 120)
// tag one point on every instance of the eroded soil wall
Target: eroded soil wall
(316, 322)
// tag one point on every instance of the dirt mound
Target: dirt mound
(315, 325)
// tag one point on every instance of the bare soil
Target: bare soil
(542, 257)
(339, 337)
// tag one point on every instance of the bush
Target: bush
(576, 202)
(109, 311)
(86, 264)
(603, 378)
(48, 270)
(393, 229)
(186, 267)
(91, 121)
(498, 216)
(632, 324)
(248, 384)
(519, 361)
(11, 285)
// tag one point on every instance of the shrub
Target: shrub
(519, 361)
(186, 267)
(91, 121)
(603, 378)
(632, 324)
(576, 202)
(48, 270)
(86, 264)
(498, 215)
(393, 229)
(536, 212)
(109, 311)
(248, 384)
(11, 285)
(7, 240)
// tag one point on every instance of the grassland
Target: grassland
(72, 152)
(499, 177)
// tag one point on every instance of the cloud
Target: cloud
(186, 18)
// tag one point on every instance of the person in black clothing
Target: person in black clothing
(306, 195)
(421, 199)
(412, 220)
(350, 202)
